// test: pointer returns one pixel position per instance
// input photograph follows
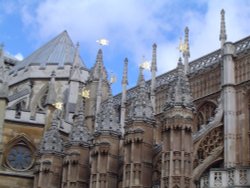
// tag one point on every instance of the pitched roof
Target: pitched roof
(59, 50)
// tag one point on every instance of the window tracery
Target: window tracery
(212, 140)
(205, 113)
(19, 156)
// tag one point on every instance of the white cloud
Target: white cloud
(133, 26)
(19, 56)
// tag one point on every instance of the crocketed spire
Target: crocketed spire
(179, 93)
(142, 106)
(52, 141)
(107, 118)
(98, 68)
(154, 58)
(223, 35)
(79, 132)
(186, 52)
(125, 72)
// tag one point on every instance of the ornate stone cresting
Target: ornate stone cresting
(79, 132)
(52, 141)
(51, 96)
(142, 107)
(223, 35)
(179, 93)
(107, 119)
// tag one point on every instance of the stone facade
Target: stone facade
(61, 127)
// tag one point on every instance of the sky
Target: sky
(131, 26)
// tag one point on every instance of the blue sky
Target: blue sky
(131, 26)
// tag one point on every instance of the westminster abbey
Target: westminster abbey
(61, 127)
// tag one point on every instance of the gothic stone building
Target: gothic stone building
(186, 128)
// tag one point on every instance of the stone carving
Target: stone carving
(243, 177)
(213, 122)
(231, 177)
(79, 132)
(107, 119)
(179, 93)
(52, 141)
(98, 68)
(218, 179)
(214, 155)
(141, 107)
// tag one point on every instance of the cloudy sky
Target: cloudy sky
(131, 26)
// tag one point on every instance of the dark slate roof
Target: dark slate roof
(60, 50)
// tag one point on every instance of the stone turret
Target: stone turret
(177, 125)
(105, 151)
(138, 139)
(48, 170)
(76, 162)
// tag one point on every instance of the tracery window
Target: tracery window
(19, 158)
(19, 154)
(205, 113)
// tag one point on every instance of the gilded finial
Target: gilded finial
(183, 47)
(85, 93)
(103, 42)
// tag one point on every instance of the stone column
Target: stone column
(229, 104)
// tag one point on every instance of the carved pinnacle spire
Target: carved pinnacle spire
(125, 72)
(79, 132)
(179, 93)
(186, 42)
(141, 76)
(98, 69)
(153, 75)
(52, 141)
(107, 119)
(154, 59)
(142, 107)
(186, 52)
(99, 58)
(223, 35)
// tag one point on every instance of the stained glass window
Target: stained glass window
(19, 157)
